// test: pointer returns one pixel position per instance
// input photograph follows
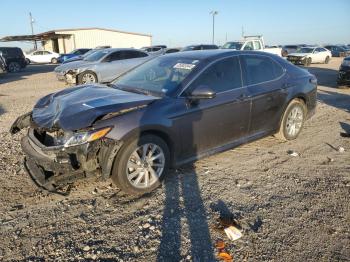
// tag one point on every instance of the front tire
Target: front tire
(293, 120)
(14, 67)
(54, 60)
(141, 165)
(87, 77)
(326, 61)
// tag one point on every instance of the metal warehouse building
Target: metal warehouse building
(66, 40)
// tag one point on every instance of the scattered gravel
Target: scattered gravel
(288, 208)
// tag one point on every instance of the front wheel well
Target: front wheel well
(163, 136)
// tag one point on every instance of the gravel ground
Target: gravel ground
(289, 208)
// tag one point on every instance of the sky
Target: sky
(183, 22)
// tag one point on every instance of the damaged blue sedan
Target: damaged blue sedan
(171, 110)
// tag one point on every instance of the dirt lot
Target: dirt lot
(289, 208)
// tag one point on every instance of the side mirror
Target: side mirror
(202, 92)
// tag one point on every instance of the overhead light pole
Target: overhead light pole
(213, 13)
(31, 26)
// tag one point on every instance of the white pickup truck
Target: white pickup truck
(253, 43)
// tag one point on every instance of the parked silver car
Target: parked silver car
(101, 66)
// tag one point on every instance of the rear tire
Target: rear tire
(326, 61)
(128, 163)
(293, 120)
(14, 67)
(87, 77)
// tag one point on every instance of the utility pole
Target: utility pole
(242, 31)
(213, 13)
(31, 26)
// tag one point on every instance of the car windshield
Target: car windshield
(305, 50)
(159, 76)
(96, 56)
(232, 45)
(74, 51)
(89, 52)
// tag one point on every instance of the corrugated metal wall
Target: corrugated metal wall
(97, 37)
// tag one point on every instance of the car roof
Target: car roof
(119, 49)
(214, 54)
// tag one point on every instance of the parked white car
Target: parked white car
(42, 57)
(308, 55)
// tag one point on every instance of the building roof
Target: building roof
(58, 33)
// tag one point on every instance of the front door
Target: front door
(207, 124)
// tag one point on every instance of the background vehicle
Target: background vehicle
(308, 55)
(287, 49)
(344, 72)
(74, 53)
(2, 64)
(172, 50)
(161, 114)
(252, 43)
(81, 57)
(338, 51)
(42, 57)
(101, 66)
(199, 47)
(14, 58)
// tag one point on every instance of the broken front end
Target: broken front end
(55, 159)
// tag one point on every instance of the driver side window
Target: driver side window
(222, 76)
(113, 57)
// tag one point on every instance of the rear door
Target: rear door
(46, 57)
(215, 122)
(265, 80)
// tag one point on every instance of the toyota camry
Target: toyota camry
(166, 112)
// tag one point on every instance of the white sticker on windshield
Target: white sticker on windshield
(184, 66)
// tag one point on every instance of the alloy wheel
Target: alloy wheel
(145, 165)
(14, 67)
(88, 78)
(294, 121)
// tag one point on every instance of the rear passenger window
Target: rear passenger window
(260, 69)
(222, 76)
(132, 54)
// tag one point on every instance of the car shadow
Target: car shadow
(31, 69)
(2, 110)
(325, 77)
(335, 99)
(183, 202)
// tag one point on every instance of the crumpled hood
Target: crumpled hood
(299, 54)
(76, 108)
(73, 65)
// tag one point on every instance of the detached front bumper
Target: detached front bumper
(53, 167)
(69, 78)
(297, 60)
